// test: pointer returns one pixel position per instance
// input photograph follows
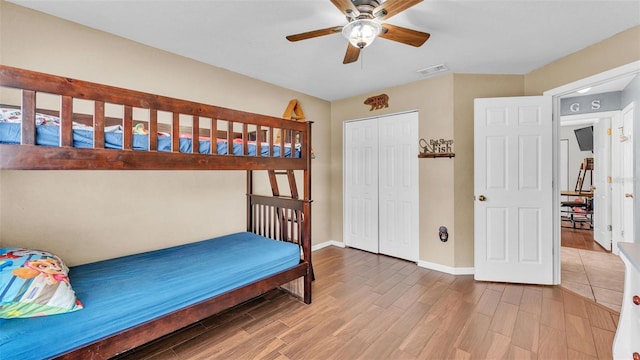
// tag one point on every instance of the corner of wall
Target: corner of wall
(468, 87)
(436, 175)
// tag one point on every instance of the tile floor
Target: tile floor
(598, 276)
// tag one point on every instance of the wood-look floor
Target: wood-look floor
(367, 306)
(579, 238)
(590, 270)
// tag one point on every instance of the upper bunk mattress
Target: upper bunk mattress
(124, 292)
(49, 135)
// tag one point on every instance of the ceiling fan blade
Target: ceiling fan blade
(390, 8)
(315, 33)
(346, 7)
(352, 54)
(404, 35)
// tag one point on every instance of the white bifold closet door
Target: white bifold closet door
(361, 185)
(381, 185)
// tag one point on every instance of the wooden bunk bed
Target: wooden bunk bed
(212, 138)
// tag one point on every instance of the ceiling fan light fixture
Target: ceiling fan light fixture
(361, 32)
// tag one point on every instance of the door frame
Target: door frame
(556, 93)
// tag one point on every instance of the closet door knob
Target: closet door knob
(629, 195)
(636, 300)
(482, 198)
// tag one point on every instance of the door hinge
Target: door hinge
(609, 131)
(609, 179)
(609, 228)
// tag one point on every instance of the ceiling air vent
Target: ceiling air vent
(430, 71)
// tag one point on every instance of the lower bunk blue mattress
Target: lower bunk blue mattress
(123, 292)
(50, 135)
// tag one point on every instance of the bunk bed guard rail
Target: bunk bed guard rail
(244, 134)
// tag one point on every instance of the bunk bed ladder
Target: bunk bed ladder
(291, 179)
(292, 112)
(281, 214)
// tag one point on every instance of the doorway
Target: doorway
(598, 275)
(501, 255)
(611, 184)
(607, 77)
(586, 179)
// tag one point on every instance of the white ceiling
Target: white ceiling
(248, 37)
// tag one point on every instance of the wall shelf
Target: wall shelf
(436, 155)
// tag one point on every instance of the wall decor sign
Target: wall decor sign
(378, 102)
(436, 148)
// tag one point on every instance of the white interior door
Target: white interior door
(617, 194)
(513, 232)
(627, 173)
(622, 193)
(564, 167)
(601, 183)
(361, 185)
(398, 185)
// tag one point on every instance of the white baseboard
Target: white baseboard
(447, 269)
(327, 243)
(424, 264)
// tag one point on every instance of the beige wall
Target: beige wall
(90, 215)
(446, 111)
(433, 99)
(445, 107)
(467, 87)
(618, 50)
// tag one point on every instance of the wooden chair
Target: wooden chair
(585, 166)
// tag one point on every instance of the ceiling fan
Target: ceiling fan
(364, 25)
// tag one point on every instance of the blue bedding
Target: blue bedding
(50, 135)
(120, 293)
